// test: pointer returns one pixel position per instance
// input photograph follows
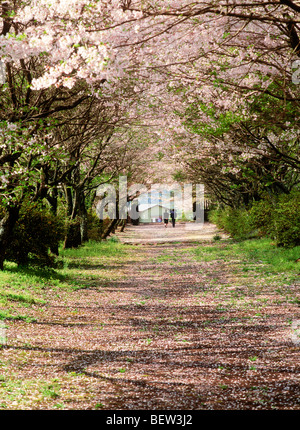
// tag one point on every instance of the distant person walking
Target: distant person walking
(166, 218)
(173, 215)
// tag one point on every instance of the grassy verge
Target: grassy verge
(25, 293)
(260, 250)
(95, 264)
(24, 287)
(255, 255)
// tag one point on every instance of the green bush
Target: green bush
(95, 227)
(35, 234)
(236, 222)
(261, 217)
(279, 219)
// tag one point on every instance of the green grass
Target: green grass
(163, 258)
(105, 250)
(20, 392)
(95, 265)
(23, 298)
(51, 390)
(259, 254)
(84, 267)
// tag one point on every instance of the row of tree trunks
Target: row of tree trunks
(112, 226)
(77, 231)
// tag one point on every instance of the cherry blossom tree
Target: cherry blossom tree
(228, 67)
(51, 58)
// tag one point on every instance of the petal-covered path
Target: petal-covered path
(163, 330)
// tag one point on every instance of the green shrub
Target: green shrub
(287, 221)
(261, 217)
(35, 234)
(95, 227)
(236, 222)
(217, 216)
(279, 219)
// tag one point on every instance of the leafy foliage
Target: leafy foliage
(279, 219)
(275, 217)
(37, 232)
(236, 222)
(95, 226)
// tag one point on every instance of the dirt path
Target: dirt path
(168, 332)
(157, 233)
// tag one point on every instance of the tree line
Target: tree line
(95, 89)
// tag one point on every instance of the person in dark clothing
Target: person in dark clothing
(173, 216)
(166, 218)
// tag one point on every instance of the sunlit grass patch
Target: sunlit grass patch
(89, 266)
(91, 261)
(259, 254)
(94, 263)
(23, 298)
(28, 278)
(10, 315)
(165, 257)
(105, 250)
(275, 258)
(18, 393)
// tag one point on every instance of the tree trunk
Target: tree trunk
(69, 200)
(115, 226)
(84, 228)
(53, 201)
(101, 229)
(83, 218)
(73, 235)
(6, 230)
(110, 228)
(123, 225)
